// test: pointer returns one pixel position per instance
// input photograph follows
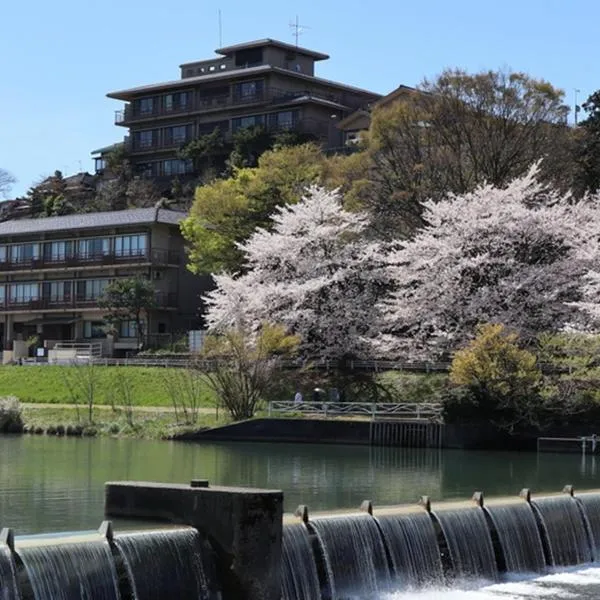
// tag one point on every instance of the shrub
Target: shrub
(11, 419)
(501, 382)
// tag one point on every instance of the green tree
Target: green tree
(502, 380)
(208, 153)
(455, 133)
(588, 146)
(226, 212)
(128, 299)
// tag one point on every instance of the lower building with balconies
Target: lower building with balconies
(53, 271)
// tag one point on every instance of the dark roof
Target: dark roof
(190, 81)
(117, 218)
(270, 42)
(107, 149)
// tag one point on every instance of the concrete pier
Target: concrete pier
(244, 526)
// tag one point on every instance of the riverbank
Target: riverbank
(144, 422)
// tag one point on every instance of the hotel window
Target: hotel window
(128, 329)
(249, 90)
(2, 294)
(94, 330)
(91, 289)
(177, 101)
(57, 291)
(244, 122)
(94, 247)
(284, 120)
(57, 251)
(21, 293)
(178, 134)
(131, 245)
(24, 252)
(150, 169)
(144, 106)
(3, 254)
(145, 139)
(177, 167)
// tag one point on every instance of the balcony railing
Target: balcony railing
(202, 103)
(155, 256)
(66, 302)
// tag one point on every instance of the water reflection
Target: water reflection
(51, 484)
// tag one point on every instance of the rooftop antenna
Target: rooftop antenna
(297, 29)
(220, 30)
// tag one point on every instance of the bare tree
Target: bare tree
(7, 180)
(186, 388)
(81, 381)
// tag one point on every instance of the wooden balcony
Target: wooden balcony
(71, 303)
(155, 257)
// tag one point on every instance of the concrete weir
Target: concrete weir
(243, 525)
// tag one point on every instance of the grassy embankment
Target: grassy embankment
(49, 405)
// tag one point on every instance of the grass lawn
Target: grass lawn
(48, 384)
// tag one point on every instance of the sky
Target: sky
(59, 59)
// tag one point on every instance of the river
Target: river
(56, 484)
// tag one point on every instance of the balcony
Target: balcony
(69, 303)
(155, 257)
(218, 102)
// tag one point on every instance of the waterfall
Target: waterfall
(563, 525)
(299, 571)
(469, 542)
(413, 547)
(64, 570)
(354, 553)
(519, 537)
(590, 504)
(8, 582)
(166, 564)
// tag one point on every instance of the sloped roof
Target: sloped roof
(271, 42)
(97, 220)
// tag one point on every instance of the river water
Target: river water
(56, 484)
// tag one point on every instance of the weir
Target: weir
(236, 545)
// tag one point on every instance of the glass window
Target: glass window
(3, 253)
(150, 169)
(128, 329)
(243, 122)
(145, 106)
(91, 289)
(25, 252)
(59, 291)
(58, 251)
(177, 167)
(2, 294)
(131, 245)
(94, 247)
(24, 292)
(145, 139)
(94, 330)
(177, 101)
(249, 90)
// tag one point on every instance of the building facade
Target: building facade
(54, 270)
(262, 83)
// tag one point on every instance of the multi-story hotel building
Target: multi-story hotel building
(262, 83)
(54, 270)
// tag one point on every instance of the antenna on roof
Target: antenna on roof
(297, 29)
(220, 30)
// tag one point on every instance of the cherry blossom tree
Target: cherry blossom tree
(517, 255)
(314, 273)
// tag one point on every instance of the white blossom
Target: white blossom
(315, 273)
(517, 256)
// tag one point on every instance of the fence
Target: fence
(406, 435)
(402, 411)
(583, 444)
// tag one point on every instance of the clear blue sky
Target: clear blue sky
(58, 59)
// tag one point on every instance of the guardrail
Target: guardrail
(425, 411)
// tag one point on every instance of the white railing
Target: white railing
(418, 411)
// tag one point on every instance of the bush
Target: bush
(11, 419)
(497, 381)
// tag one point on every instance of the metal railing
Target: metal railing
(425, 411)
(154, 256)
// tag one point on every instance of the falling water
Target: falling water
(519, 537)
(70, 570)
(8, 583)
(166, 564)
(591, 508)
(564, 527)
(413, 547)
(469, 543)
(354, 554)
(299, 571)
